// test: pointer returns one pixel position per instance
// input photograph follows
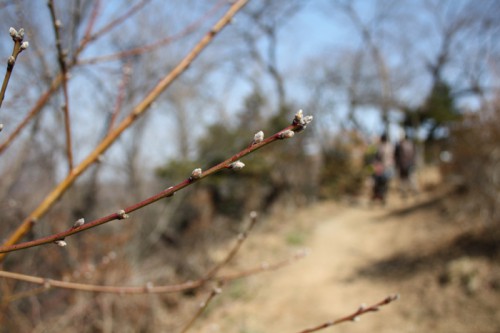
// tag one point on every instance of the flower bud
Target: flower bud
(12, 32)
(60, 242)
(287, 134)
(122, 215)
(238, 165)
(196, 174)
(258, 137)
(79, 222)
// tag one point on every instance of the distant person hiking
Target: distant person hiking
(404, 156)
(383, 169)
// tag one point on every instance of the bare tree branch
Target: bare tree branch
(355, 315)
(141, 108)
(299, 123)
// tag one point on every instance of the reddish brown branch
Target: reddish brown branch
(355, 315)
(299, 123)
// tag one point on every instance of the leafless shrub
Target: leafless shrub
(476, 162)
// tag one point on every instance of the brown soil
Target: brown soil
(446, 272)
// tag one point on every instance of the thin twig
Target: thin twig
(227, 164)
(230, 255)
(42, 101)
(355, 315)
(149, 288)
(264, 267)
(203, 306)
(140, 109)
(19, 46)
(56, 82)
(126, 71)
(157, 44)
(61, 57)
(23, 294)
(115, 23)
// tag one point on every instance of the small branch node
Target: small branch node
(258, 137)
(11, 61)
(79, 223)
(122, 215)
(238, 165)
(60, 242)
(356, 319)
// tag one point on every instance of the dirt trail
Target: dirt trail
(343, 241)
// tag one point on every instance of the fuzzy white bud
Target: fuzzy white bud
(1, 127)
(122, 215)
(12, 32)
(298, 116)
(24, 45)
(258, 137)
(60, 243)
(196, 174)
(301, 120)
(287, 134)
(238, 165)
(307, 119)
(253, 214)
(79, 222)
(20, 33)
